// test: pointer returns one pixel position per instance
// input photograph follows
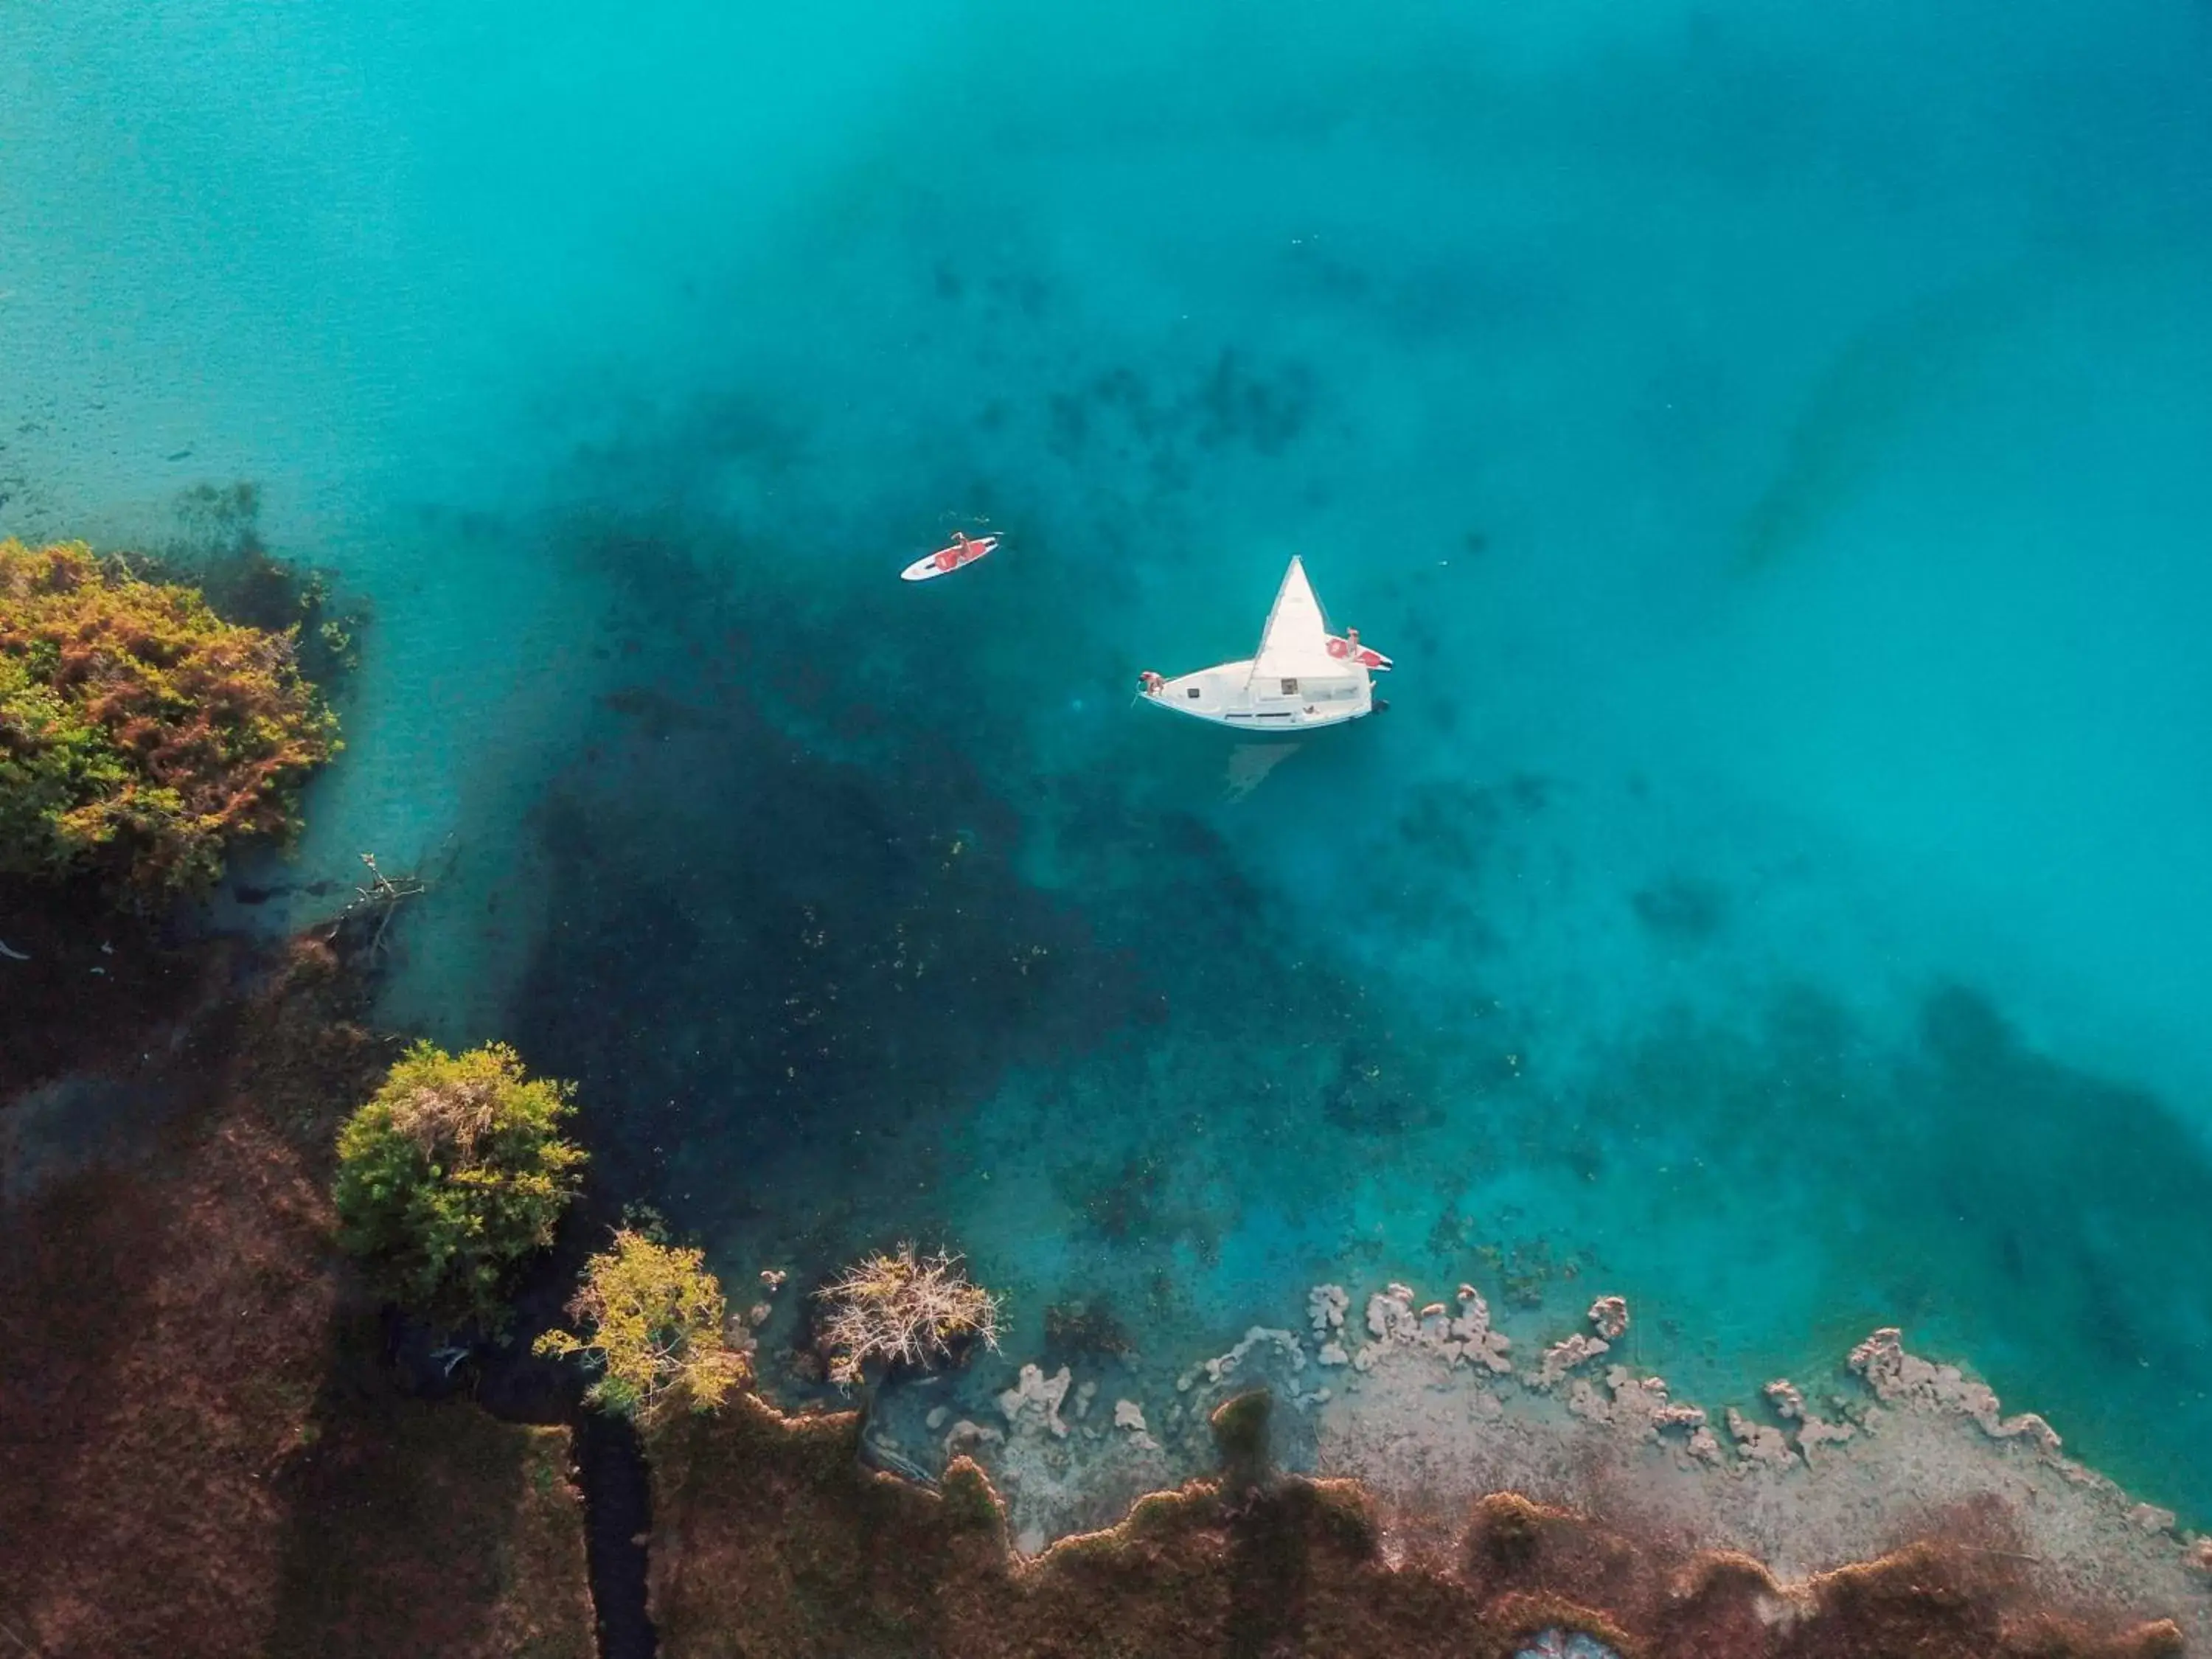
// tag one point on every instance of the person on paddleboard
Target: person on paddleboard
(965, 550)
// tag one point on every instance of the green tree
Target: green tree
(52, 759)
(451, 1173)
(653, 1321)
(140, 733)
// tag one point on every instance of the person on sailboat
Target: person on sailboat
(1149, 683)
(1350, 649)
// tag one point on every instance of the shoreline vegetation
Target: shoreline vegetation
(768, 1531)
(653, 1331)
(772, 1538)
(451, 1174)
(235, 1225)
(142, 736)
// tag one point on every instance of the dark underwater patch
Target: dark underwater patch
(1372, 1095)
(1681, 909)
(1234, 403)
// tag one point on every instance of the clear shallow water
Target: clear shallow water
(1770, 443)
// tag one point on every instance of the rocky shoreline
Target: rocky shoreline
(1425, 1408)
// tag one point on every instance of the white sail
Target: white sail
(1294, 646)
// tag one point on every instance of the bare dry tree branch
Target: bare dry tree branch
(902, 1308)
(379, 897)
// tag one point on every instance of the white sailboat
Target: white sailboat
(1303, 677)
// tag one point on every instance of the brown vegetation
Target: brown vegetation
(199, 1451)
(770, 1539)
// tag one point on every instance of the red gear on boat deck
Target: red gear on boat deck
(950, 558)
(1348, 646)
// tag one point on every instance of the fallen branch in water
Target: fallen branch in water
(383, 894)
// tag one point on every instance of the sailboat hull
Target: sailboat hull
(1226, 695)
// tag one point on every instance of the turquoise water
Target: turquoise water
(1769, 438)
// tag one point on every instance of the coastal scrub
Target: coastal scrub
(652, 1318)
(141, 735)
(902, 1308)
(451, 1173)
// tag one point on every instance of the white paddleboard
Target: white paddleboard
(946, 560)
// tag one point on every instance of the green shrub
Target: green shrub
(453, 1171)
(141, 734)
(52, 760)
(652, 1318)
